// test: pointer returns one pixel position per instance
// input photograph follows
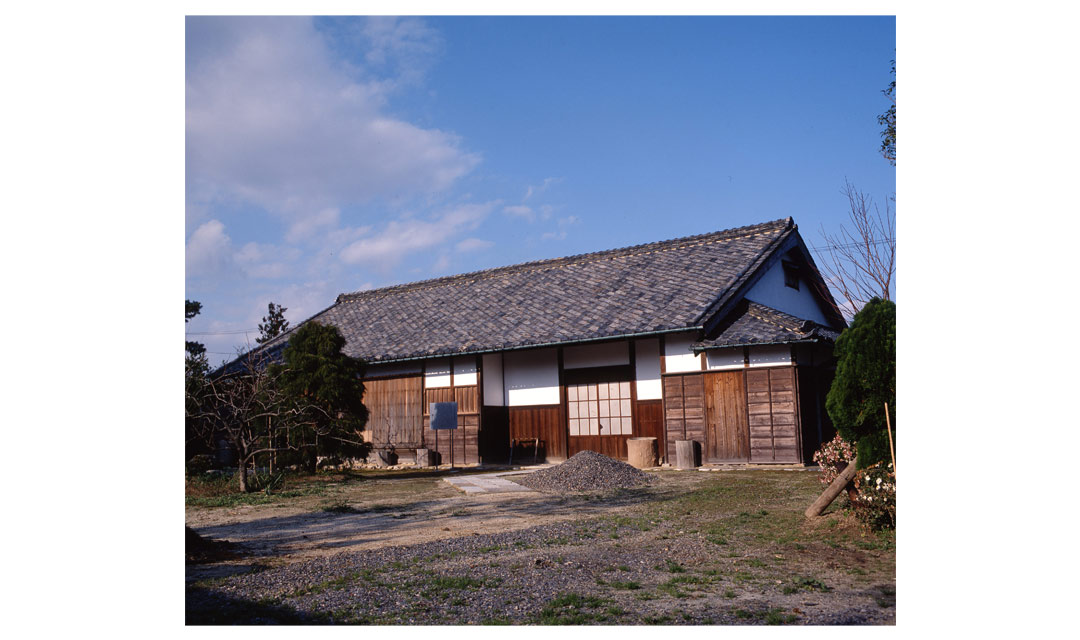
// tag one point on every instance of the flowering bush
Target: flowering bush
(876, 505)
(832, 456)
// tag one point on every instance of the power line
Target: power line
(221, 333)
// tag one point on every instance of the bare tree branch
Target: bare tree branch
(247, 407)
(859, 262)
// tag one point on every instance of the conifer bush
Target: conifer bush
(865, 380)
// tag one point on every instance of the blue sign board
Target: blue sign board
(443, 415)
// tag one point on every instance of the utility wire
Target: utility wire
(221, 333)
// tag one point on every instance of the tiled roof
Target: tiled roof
(648, 288)
(754, 323)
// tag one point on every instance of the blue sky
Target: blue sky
(332, 155)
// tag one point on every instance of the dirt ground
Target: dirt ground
(385, 512)
(692, 548)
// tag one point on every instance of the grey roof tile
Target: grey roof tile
(752, 323)
(647, 288)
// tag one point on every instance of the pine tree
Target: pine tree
(273, 324)
(195, 360)
(888, 120)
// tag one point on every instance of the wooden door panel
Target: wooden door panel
(728, 432)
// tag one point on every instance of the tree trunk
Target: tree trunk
(833, 490)
(243, 475)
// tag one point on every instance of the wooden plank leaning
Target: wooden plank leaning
(833, 490)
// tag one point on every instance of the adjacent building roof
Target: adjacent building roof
(755, 323)
(650, 288)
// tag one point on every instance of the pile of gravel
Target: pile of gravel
(584, 471)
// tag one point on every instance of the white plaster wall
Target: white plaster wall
(678, 357)
(605, 354)
(772, 292)
(493, 380)
(394, 369)
(532, 377)
(720, 359)
(647, 365)
(464, 371)
(770, 355)
(437, 373)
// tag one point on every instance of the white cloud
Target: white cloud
(266, 261)
(209, 250)
(404, 46)
(538, 189)
(401, 237)
(474, 244)
(442, 264)
(562, 223)
(520, 211)
(275, 120)
(306, 226)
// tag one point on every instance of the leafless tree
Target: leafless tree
(246, 407)
(859, 262)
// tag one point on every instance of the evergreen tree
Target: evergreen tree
(273, 324)
(317, 374)
(195, 360)
(888, 120)
(196, 366)
(865, 380)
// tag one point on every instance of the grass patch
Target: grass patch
(769, 616)
(806, 583)
(777, 616)
(230, 500)
(332, 584)
(339, 506)
(655, 620)
(571, 608)
(496, 620)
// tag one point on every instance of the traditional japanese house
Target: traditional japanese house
(723, 338)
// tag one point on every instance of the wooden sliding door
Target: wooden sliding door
(727, 436)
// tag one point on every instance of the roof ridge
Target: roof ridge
(723, 235)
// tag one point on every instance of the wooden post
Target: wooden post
(888, 427)
(684, 454)
(833, 490)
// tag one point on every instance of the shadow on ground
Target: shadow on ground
(412, 522)
(206, 607)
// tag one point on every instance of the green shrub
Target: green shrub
(865, 380)
(876, 504)
(199, 464)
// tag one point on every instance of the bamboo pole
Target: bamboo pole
(888, 428)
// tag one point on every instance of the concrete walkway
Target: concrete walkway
(487, 482)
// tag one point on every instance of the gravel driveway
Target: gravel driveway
(604, 562)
